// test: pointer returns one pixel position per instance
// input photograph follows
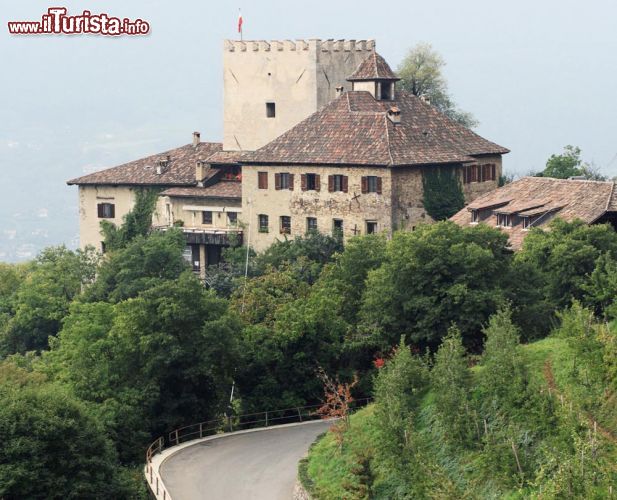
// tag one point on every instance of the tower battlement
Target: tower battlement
(313, 44)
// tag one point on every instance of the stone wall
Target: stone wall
(353, 207)
(477, 189)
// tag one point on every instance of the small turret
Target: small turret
(375, 76)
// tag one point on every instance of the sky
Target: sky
(538, 75)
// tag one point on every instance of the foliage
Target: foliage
(52, 444)
(421, 74)
(451, 383)
(566, 255)
(432, 277)
(144, 262)
(443, 194)
(137, 222)
(40, 299)
(601, 288)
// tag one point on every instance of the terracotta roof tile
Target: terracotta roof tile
(181, 169)
(222, 189)
(355, 130)
(225, 157)
(374, 67)
(544, 198)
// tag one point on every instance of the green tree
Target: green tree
(451, 383)
(432, 277)
(442, 192)
(421, 74)
(42, 299)
(567, 164)
(601, 289)
(144, 262)
(52, 445)
(566, 256)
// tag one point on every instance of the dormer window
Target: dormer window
(504, 220)
(385, 91)
(475, 216)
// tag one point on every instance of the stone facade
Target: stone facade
(298, 77)
(353, 207)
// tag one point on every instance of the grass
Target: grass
(330, 472)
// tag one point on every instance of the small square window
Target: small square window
(206, 217)
(285, 224)
(371, 227)
(270, 109)
(311, 224)
(264, 223)
(337, 227)
(232, 218)
(106, 210)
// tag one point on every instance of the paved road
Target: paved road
(253, 466)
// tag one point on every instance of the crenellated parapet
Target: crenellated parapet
(313, 44)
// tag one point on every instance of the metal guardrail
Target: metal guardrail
(228, 424)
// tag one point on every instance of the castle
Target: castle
(317, 137)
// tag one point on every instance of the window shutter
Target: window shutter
(317, 182)
(345, 184)
(291, 182)
(330, 183)
(303, 182)
(277, 181)
(99, 208)
(493, 172)
(378, 185)
(113, 210)
(364, 185)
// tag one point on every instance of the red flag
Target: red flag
(240, 22)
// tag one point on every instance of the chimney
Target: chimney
(196, 138)
(394, 115)
(425, 98)
(163, 165)
(339, 90)
(201, 168)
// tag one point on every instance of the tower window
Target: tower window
(371, 227)
(270, 109)
(385, 91)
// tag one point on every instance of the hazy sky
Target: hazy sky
(537, 75)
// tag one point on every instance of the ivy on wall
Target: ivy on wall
(443, 193)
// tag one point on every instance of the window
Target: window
(479, 173)
(337, 227)
(310, 182)
(263, 223)
(311, 224)
(106, 210)
(385, 91)
(475, 218)
(206, 217)
(371, 227)
(285, 224)
(270, 109)
(371, 184)
(232, 218)
(284, 180)
(262, 180)
(504, 220)
(337, 183)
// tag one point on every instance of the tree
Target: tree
(569, 164)
(143, 263)
(451, 383)
(52, 444)
(421, 74)
(432, 277)
(443, 194)
(42, 299)
(566, 256)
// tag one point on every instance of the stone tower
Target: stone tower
(270, 86)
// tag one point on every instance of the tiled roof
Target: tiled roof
(541, 197)
(181, 169)
(222, 189)
(225, 157)
(355, 130)
(374, 67)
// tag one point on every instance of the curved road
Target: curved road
(261, 465)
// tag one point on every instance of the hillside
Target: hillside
(579, 448)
